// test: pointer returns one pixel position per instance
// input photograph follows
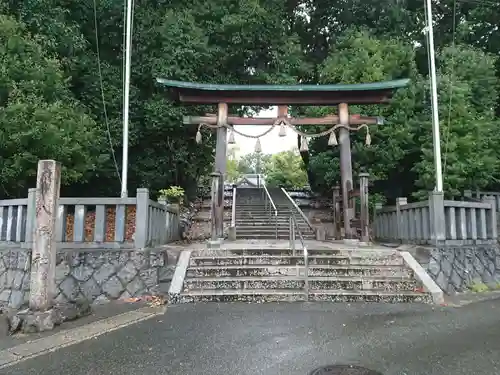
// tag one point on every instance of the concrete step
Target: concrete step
(251, 207)
(297, 259)
(253, 224)
(268, 229)
(275, 251)
(264, 221)
(369, 296)
(260, 230)
(281, 215)
(270, 236)
(294, 295)
(264, 210)
(243, 295)
(387, 256)
(264, 215)
(283, 251)
(290, 270)
(394, 284)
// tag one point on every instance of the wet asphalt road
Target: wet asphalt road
(292, 339)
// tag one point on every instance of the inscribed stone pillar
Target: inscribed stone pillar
(345, 168)
(43, 260)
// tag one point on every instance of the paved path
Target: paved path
(292, 339)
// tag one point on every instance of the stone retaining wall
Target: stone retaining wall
(93, 275)
(456, 268)
(14, 277)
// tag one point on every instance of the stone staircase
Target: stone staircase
(279, 274)
(256, 221)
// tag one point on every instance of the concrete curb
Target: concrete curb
(179, 274)
(429, 284)
(462, 300)
(31, 349)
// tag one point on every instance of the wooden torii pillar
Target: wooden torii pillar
(220, 167)
(346, 169)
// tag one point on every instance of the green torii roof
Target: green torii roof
(364, 93)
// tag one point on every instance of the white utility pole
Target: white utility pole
(126, 96)
(435, 111)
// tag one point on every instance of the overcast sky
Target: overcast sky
(271, 143)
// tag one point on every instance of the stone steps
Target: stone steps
(297, 259)
(265, 237)
(297, 282)
(268, 274)
(386, 254)
(262, 211)
(285, 227)
(264, 218)
(291, 270)
(254, 224)
(264, 229)
(256, 221)
(270, 236)
(294, 295)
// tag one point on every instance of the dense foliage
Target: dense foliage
(284, 169)
(61, 86)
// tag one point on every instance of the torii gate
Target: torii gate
(283, 96)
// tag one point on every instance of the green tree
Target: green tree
(286, 169)
(245, 41)
(233, 174)
(39, 118)
(359, 57)
(468, 93)
(253, 163)
(222, 42)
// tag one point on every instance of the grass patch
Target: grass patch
(480, 287)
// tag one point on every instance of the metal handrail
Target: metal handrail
(295, 226)
(268, 196)
(233, 209)
(297, 208)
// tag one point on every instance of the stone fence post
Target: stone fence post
(31, 217)
(141, 218)
(399, 230)
(365, 211)
(491, 220)
(43, 259)
(437, 217)
(377, 222)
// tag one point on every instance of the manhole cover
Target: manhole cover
(343, 370)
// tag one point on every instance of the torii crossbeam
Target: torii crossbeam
(283, 96)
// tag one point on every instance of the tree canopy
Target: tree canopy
(61, 88)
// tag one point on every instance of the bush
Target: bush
(174, 194)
